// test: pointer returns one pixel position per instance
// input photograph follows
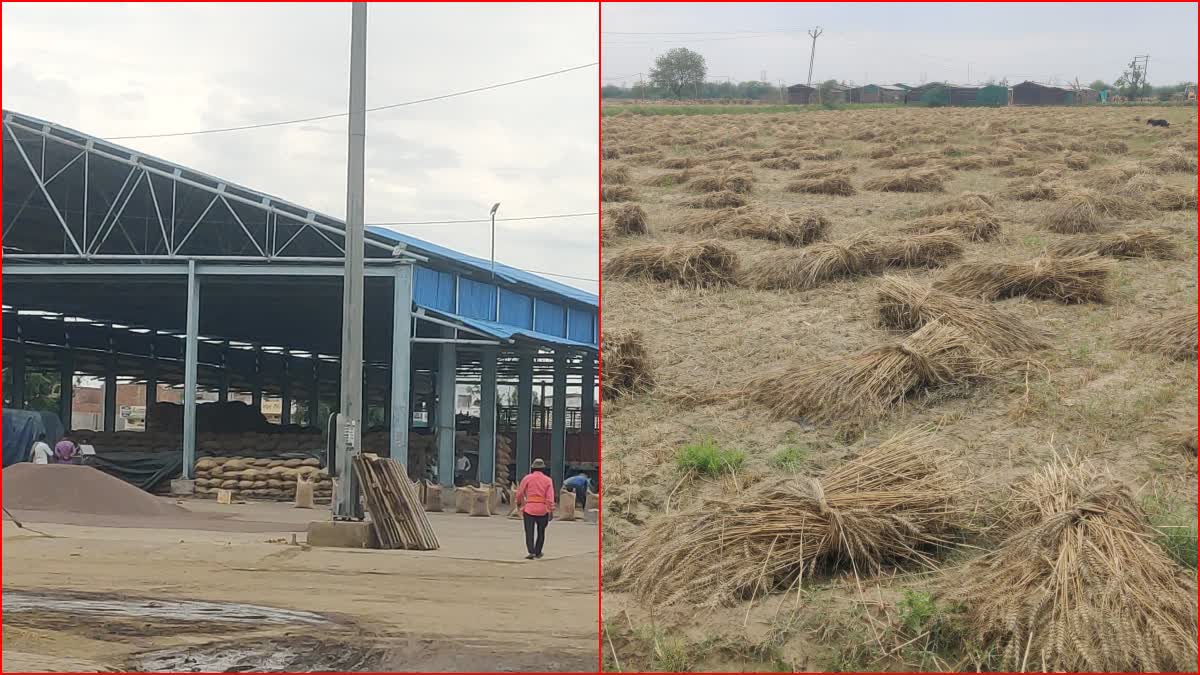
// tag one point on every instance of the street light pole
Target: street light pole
(346, 505)
(495, 207)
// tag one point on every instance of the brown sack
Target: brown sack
(462, 499)
(479, 503)
(304, 494)
(566, 506)
(433, 497)
(593, 501)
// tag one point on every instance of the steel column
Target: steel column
(400, 413)
(285, 392)
(110, 385)
(151, 384)
(524, 431)
(445, 412)
(487, 416)
(223, 377)
(558, 434)
(587, 408)
(314, 396)
(256, 391)
(66, 385)
(189, 372)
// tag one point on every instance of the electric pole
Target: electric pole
(346, 504)
(814, 34)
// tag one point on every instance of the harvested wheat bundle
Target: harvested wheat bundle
(1112, 176)
(1079, 583)
(697, 264)
(1085, 210)
(902, 161)
(1141, 243)
(1021, 171)
(904, 304)
(968, 163)
(1110, 147)
(678, 163)
(820, 154)
(831, 185)
(812, 266)
(615, 175)
(1037, 190)
(869, 383)
(626, 364)
(1001, 159)
(644, 159)
(761, 155)
(1173, 334)
(932, 249)
(740, 183)
(624, 219)
(974, 225)
(617, 193)
(797, 229)
(668, 178)
(1069, 280)
(826, 171)
(897, 503)
(1186, 441)
(1077, 161)
(909, 181)
(1171, 162)
(1171, 198)
(963, 203)
(882, 151)
(786, 163)
(714, 200)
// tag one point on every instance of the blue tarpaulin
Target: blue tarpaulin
(21, 429)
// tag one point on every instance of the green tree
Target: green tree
(1099, 85)
(41, 391)
(1132, 83)
(826, 89)
(677, 70)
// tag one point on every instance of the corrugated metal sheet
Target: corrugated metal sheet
(516, 309)
(549, 318)
(476, 299)
(432, 288)
(580, 325)
(505, 332)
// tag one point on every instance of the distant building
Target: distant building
(1036, 93)
(801, 94)
(837, 94)
(877, 93)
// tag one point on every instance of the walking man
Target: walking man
(535, 498)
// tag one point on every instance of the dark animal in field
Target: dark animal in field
(1158, 123)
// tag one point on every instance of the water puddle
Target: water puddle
(166, 610)
(300, 654)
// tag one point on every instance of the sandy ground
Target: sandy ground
(474, 604)
(1089, 395)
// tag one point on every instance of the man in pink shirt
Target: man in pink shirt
(535, 498)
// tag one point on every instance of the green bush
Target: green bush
(790, 459)
(709, 459)
(1176, 529)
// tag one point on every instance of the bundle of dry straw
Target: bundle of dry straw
(907, 305)
(965, 202)
(812, 266)
(725, 181)
(908, 181)
(1140, 243)
(1070, 280)
(623, 219)
(974, 225)
(698, 264)
(715, 200)
(896, 503)
(837, 184)
(1079, 584)
(617, 193)
(869, 383)
(1173, 335)
(933, 249)
(1085, 210)
(797, 228)
(626, 364)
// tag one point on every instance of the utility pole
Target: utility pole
(1145, 70)
(762, 76)
(814, 34)
(346, 504)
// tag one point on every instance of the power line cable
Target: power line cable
(330, 116)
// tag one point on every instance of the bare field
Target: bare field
(820, 209)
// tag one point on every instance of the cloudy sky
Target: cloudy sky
(903, 42)
(131, 69)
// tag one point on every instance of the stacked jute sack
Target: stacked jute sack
(208, 443)
(267, 479)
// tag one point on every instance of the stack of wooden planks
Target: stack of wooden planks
(397, 513)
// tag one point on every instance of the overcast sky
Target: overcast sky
(126, 69)
(903, 42)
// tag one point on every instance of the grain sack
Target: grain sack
(228, 484)
(245, 484)
(311, 461)
(593, 501)
(566, 506)
(205, 465)
(433, 497)
(304, 494)
(479, 503)
(234, 465)
(278, 470)
(274, 483)
(516, 510)
(262, 462)
(291, 463)
(462, 500)
(495, 500)
(260, 485)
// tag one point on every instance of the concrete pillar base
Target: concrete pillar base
(341, 534)
(181, 487)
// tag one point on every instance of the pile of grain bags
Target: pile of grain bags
(265, 479)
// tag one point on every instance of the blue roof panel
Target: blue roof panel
(505, 332)
(510, 274)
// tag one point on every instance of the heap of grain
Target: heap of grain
(261, 478)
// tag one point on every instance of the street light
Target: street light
(495, 207)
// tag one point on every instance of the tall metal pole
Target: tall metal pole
(495, 207)
(346, 504)
(814, 34)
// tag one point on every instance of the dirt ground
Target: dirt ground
(1089, 394)
(103, 597)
